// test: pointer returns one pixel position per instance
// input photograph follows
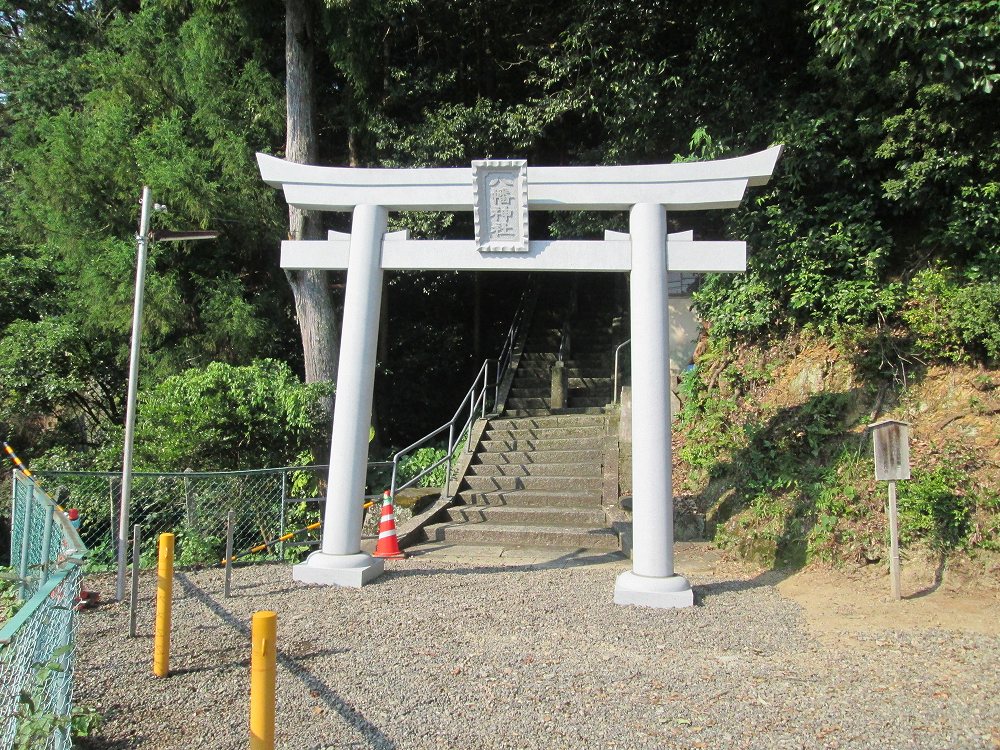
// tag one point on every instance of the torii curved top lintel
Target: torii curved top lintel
(685, 186)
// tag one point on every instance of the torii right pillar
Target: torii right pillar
(652, 581)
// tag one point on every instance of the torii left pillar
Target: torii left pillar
(339, 560)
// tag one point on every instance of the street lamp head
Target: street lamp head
(164, 235)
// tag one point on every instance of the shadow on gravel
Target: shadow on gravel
(245, 663)
(371, 733)
(100, 743)
(577, 558)
(767, 579)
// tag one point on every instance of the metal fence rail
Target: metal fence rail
(37, 644)
(194, 505)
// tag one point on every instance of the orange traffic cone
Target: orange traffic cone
(388, 544)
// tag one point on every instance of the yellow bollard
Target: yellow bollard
(262, 670)
(164, 594)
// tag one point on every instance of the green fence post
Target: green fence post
(22, 568)
(46, 542)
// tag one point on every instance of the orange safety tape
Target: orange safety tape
(284, 538)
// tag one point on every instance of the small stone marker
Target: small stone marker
(891, 439)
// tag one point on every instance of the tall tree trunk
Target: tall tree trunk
(311, 289)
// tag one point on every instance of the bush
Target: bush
(932, 506)
(418, 461)
(227, 417)
(954, 319)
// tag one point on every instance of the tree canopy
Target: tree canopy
(883, 213)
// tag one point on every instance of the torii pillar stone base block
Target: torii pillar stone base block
(664, 593)
(352, 571)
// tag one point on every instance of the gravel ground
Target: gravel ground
(467, 656)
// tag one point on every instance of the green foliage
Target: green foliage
(197, 549)
(85, 721)
(9, 601)
(35, 723)
(933, 506)
(421, 460)
(953, 320)
(227, 417)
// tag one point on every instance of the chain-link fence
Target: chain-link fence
(266, 505)
(37, 643)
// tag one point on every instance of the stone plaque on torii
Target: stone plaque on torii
(501, 193)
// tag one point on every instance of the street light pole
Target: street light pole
(133, 381)
(143, 239)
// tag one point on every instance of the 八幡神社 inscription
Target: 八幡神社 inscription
(501, 205)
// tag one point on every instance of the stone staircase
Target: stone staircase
(536, 476)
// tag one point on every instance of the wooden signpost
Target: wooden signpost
(892, 461)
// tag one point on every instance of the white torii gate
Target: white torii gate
(501, 193)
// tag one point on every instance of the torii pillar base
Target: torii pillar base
(352, 571)
(672, 592)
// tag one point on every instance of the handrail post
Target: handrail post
(496, 388)
(618, 349)
(451, 450)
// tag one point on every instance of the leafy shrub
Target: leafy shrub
(933, 506)
(226, 417)
(195, 548)
(9, 603)
(954, 319)
(420, 460)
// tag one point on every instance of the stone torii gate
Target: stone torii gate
(500, 193)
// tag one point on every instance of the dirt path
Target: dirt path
(837, 603)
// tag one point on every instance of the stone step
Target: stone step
(547, 412)
(538, 456)
(535, 403)
(591, 359)
(531, 536)
(584, 432)
(575, 382)
(531, 482)
(517, 391)
(575, 397)
(578, 470)
(541, 446)
(545, 373)
(581, 342)
(538, 388)
(589, 400)
(546, 422)
(541, 516)
(532, 498)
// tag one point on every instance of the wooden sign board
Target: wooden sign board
(892, 449)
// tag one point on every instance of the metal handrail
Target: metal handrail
(614, 395)
(564, 342)
(475, 397)
(507, 351)
(474, 400)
